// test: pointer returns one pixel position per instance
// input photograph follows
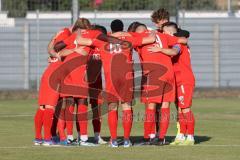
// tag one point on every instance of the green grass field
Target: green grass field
(217, 135)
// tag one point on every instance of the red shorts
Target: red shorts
(184, 96)
(94, 76)
(74, 81)
(119, 88)
(48, 90)
(157, 88)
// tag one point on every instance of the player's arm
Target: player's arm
(176, 49)
(51, 51)
(149, 39)
(172, 40)
(66, 52)
(83, 41)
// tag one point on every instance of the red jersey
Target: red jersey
(182, 66)
(158, 83)
(76, 71)
(109, 50)
(163, 41)
(62, 35)
(118, 67)
(91, 34)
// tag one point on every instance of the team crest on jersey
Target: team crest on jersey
(181, 99)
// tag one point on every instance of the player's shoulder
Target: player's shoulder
(62, 34)
(90, 33)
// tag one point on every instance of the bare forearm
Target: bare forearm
(150, 39)
(50, 48)
(83, 41)
(169, 52)
(65, 52)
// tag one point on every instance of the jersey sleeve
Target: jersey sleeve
(136, 40)
(178, 47)
(70, 40)
(171, 40)
(94, 34)
(63, 34)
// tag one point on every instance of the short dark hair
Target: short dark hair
(134, 25)
(117, 25)
(99, 28)
(170, 24)
(160, 14)
(180, 32)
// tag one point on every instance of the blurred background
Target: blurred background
(26, 27)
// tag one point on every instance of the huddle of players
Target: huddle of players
(166, 77)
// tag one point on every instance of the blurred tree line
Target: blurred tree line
(18, 8)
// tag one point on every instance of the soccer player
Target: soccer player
(158, 83)
(77, 77)
(94, 74)
(48, 96)
(159, 17)
(185, 83)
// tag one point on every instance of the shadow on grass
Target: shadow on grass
(139, 139)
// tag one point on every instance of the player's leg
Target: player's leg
(186, 116)
(69, 116)
(157, 120)
(164, 122)
(60, 113)
(113, 122)
(190, 124)
(180, 137)
(55, 137)
(149, 121)
(97, 121)
(38, 123)
(82, 118)
(47, 124)
(127, 119)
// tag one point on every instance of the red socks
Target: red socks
(164, 122)
(69, 116)
(47, 123)
(149, 123)
(38, 122)
(182, 123)
(113, 123)
(61, 125)
(82, 118)
(190, 122)
(127, 118)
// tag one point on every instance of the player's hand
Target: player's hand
(52, 60)
(58, 57)
(81, 51)
(49, 59)
(154, 49)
